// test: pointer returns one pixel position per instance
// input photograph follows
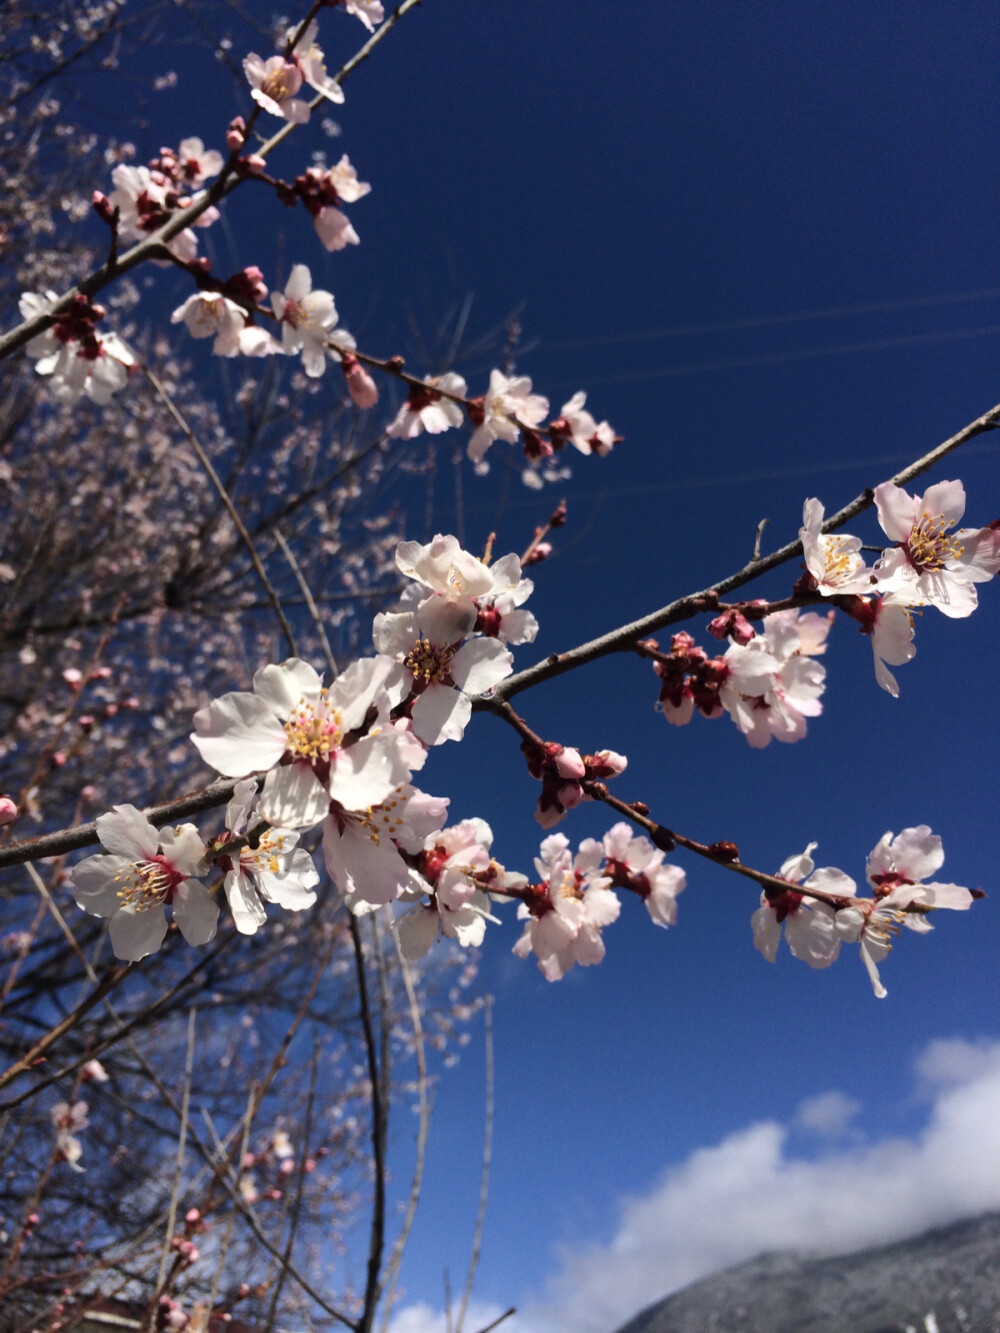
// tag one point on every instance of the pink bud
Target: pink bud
(59, 758)
(540, 552)
(102, 207)
(236, 134)
(73, 678)
(254, 163)
(8, 811)
(360, 385)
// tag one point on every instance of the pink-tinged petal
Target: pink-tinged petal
(94, 886)
(868, 951)
(766, 932)
(952, 896)
(897, 511)
(417, 931)
(885, 677)
(980, 552)
(944, 498)
(481, 664)
(601, 907)
(829, 879)
(441, 714)
(797, 867)
(506, 573)
(917, 852)
(241, 803)
(283, 686)
(299, 283)
(238, 734)
(246, 907)
(880, 859)
(361, 867)
(184, 849)
(125, 831)
(355, 689)
(589, 947)
(445, 620)
(195, 911)
(365, 773)
(952, 591)
(293, 797)
(812, 936)
(136, 934)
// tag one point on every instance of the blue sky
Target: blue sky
(676, 198)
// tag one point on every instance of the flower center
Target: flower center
(147, 884)
(382, 820)
(429, 663)
(838, 559)
(282, 83)
(265, 856)
(313, 730)
(294, 313)
(929, 545)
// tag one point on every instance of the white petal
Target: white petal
(136, 934)
(195, 911)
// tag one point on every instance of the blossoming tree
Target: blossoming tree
(226, 588)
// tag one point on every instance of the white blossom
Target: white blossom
(147, 869)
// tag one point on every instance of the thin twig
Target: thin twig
(179, 1165)
(622, 639)
(310, 601)
(377, 1230)
(223, 495)
(484, 1184)
(395, 1259)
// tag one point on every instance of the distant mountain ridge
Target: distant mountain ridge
(943, 1281)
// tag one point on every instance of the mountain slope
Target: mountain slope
(944, 1281)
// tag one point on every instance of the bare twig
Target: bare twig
(484, 1184)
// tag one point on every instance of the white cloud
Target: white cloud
(749, 1193)
(827, 1115)
(422, 1318)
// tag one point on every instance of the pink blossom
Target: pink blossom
(566, 911)
(508, 404)
(834, 561)
(577, 425)
(929, 565)
(147, 870)
(810, 930)
(306, 317)
(273, 85)
(634, 863)
(426, 408)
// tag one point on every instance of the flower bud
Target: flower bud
(360, 385)
(8, 811)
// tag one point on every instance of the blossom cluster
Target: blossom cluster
(820, 910)
(767, 681)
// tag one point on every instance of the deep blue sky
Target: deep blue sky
(626, 175)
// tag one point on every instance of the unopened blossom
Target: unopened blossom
(773, 686)
(147, 869)
(67, 1120)
(273, 85)
(577, 425)
(810, 928)
(8, 810)
(499, 415)
(440, 671)
(306, 317)
(364, 849)
(93, 1071)
(212, 315)
(930, 565)
(568, 908)
(307, 739)
(895, 869)
(834, 560)
(426, 409)
(274, 870)
(452, 864)
(195, 163)
(308, 55)
(360, 385)
(634, 863)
